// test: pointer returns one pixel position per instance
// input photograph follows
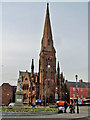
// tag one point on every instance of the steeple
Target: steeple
(47, 27)
(47, 42)
(47, 61)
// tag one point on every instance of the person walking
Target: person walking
(71, 107)
(65, 106)
(60, 110)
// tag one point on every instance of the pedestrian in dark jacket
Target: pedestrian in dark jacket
(71, 107)
(60, 110)
(65, 106)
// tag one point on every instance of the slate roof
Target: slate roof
(83, 84)
(87, 84)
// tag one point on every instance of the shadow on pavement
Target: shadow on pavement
(84, 118)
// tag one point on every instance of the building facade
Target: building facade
(7, 93)
(48, 84)
(83, 90)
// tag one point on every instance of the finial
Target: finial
(47, 4)
(58, 63)
(58, 67)
(32, 65)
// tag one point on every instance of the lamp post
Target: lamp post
(29, 97)
(66, 97)
(56, 95)
(77, 93)
(65, 93)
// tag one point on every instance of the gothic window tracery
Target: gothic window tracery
(25, 87)
(48, 83)
(48, 41)
(51, 59)
(33, 88)
(26, 79)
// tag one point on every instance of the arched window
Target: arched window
(48, 83)
(48, 41)
(27, 87)
(43, 83)
(51, 59)
(26, 79)
(33, 88)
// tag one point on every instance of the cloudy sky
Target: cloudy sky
(22, 30)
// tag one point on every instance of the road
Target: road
(84, 112)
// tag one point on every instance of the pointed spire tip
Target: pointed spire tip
(47, 4)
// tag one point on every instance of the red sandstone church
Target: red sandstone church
(48, 84)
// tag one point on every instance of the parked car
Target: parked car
(86, 102)
(11, 104)
(80, 102)
(2, 104)
(61, 103)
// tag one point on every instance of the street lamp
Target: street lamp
(29, 97)
(65, 93)
(77, 93)
(56, 95)
(66, 97)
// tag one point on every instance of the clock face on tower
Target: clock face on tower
(48, 66)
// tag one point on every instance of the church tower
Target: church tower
(47, 63)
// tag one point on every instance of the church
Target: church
(48, 84)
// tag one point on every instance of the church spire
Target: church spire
(47, 27)
(47, 42)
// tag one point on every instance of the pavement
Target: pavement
(83, 115)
